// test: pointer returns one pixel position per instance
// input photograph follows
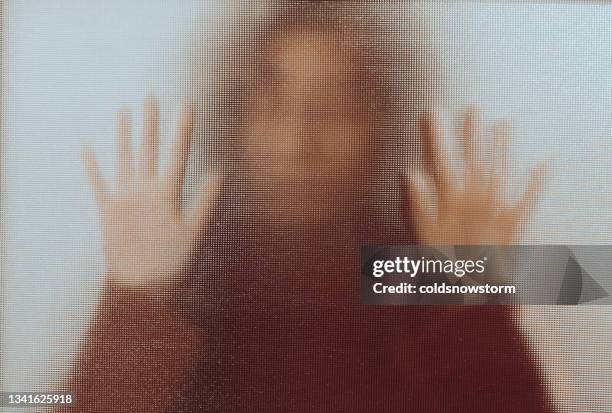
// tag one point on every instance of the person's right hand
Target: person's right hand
(147, 236)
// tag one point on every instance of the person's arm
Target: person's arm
(481, 348)
(136, 356)
(138, 350)
(477, 359)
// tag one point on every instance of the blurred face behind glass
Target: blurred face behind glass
(304, 135)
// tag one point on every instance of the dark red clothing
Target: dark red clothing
(372, 359)
(287, 333)
(281, 345)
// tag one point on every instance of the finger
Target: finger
(423, 223)
(499, 162)
(434, 157)
(469, 129)
(532, 194)
(149, 153)
(473, 172)
(92, 168)
(125, 161)
(200, 214)
(178, 163)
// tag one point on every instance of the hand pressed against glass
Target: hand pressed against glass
(476, 213)
(147, 235)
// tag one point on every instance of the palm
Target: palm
(476, 213)
(147, 236)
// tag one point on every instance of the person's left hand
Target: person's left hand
(475, 213)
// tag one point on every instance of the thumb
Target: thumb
(199, 215)
(417, 205)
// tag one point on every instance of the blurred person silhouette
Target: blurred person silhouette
(250, 299)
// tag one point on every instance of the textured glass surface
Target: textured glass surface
(186, 186)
